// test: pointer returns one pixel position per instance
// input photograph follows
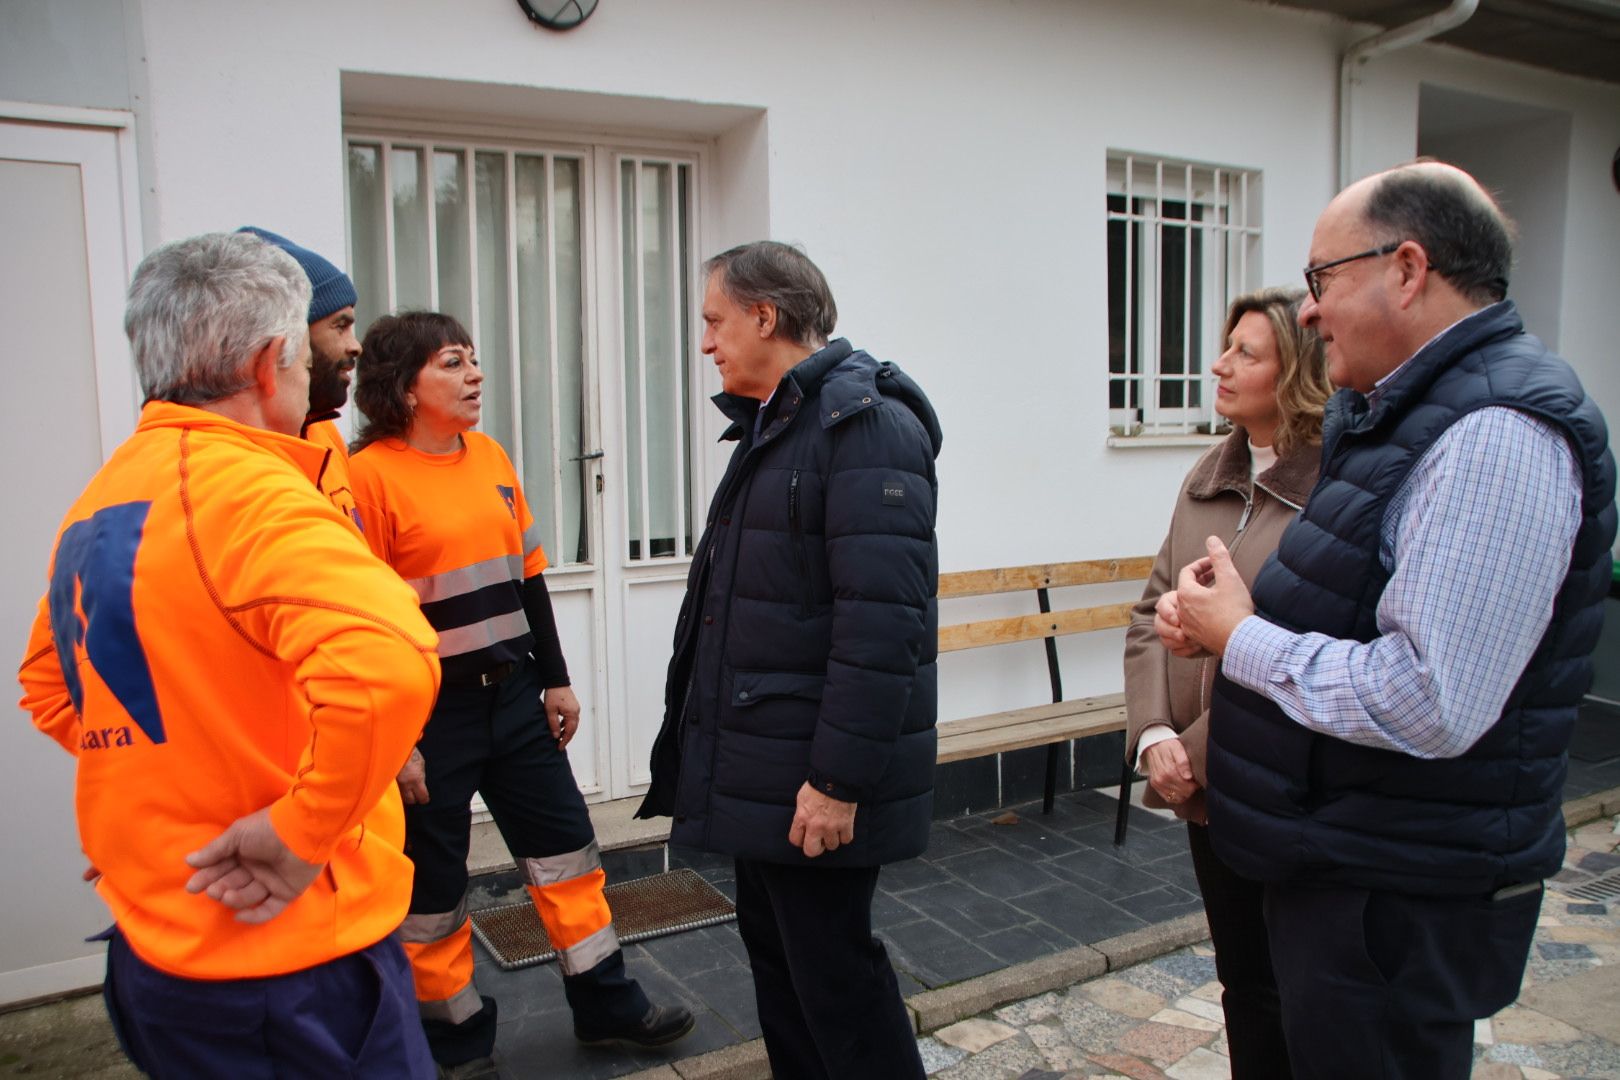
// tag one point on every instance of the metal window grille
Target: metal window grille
(1183, 241)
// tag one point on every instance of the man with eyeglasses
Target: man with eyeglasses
(1389, 734)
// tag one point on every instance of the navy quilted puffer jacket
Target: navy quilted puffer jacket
(805, 646)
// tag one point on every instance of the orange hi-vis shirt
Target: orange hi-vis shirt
(457, 528)
(215, 640)
(334, 476)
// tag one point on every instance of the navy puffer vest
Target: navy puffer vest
(1290, 805)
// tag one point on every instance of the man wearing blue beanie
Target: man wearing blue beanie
(334, 349)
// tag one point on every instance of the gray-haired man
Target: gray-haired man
(238, 678)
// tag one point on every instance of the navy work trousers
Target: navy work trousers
(1385, 986)
(828, 1001)
(494, 741)
(354, 1016)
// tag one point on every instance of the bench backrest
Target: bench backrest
(1052, 624)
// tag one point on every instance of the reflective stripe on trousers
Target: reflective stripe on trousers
(439, 946)
(567, 894)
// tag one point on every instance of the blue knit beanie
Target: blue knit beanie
(332, 290)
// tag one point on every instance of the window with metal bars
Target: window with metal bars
(1183, 241)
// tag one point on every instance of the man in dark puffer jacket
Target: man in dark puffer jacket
(1389, 734)
(798, 729)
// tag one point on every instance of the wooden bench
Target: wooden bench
(1053, 724)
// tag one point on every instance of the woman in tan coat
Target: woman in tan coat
(1272, 386)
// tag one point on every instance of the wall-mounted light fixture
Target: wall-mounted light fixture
(557, 14)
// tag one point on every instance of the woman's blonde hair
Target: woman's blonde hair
(1302, 382)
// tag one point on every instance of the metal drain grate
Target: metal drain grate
(645, 908)
(1606, 886)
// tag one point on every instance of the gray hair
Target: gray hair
(773, 273)
(200, 308)
(1468, 239)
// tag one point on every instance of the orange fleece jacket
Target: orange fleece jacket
(334, 477)
(216, 640)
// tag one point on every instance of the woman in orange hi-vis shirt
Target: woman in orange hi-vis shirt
(442, 505)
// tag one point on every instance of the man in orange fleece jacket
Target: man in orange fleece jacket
(240, 680)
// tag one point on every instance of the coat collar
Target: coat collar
(303, 455)
(808, 379)
(1227, 469)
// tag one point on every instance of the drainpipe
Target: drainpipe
(1455, 14)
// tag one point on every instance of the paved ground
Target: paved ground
(1162, 1018)
(986, 895)
(999, 900)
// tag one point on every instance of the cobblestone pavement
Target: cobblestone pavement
(1162, 1018)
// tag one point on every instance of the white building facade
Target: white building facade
(1038, 208)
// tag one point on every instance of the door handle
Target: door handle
(594, 455)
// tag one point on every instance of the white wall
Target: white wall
(943, 160)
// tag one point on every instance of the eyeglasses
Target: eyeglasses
(1313, 274)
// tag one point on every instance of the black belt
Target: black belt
(483, 678)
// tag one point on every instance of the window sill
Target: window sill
(1160, 442)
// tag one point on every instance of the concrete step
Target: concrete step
(616, 829)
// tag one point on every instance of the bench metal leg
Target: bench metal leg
(1051, 777)
(1122, 815)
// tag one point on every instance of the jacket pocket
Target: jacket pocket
(801, 557)
(751, 687)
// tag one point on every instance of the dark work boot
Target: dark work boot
(662, 1025)
(471, 1040)
(610, 1006)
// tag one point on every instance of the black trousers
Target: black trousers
(491, 741)
(1237, 926)
(1381, 985)
(828, 1001)
(494, 741)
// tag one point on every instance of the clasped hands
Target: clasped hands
(1197, 617)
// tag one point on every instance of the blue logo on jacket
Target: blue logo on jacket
(94, 574)
(510, 495)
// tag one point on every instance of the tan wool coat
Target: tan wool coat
(1217, 499)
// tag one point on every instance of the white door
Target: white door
(70, 399)
(570, 265)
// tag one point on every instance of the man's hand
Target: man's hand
(1212, 599)
(821, 822)
(1167, 624)
(1169, 771)
(562, 713)
(248, 868)
(412, 780)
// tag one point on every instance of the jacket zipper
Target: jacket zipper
(1204, 676)
(796, 528)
